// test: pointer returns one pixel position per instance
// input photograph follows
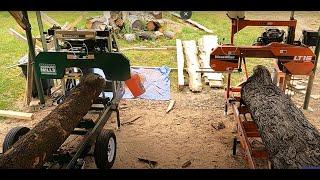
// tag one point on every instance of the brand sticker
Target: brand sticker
(48, 69)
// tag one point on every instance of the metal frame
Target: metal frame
(92, 134)
(239, 24)
(106, 108)
(245, 130)
(311, 77)
(248, 129)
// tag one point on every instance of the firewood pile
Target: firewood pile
(131, 26)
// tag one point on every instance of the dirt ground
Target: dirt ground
(185, 133)
(171, 139)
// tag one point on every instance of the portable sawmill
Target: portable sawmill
(290, 58)
(78, 52)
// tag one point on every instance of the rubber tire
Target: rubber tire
(101, 149)
(13, 136)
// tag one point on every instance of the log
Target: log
(290, 139)
(169, 34)
(116, 20)
(153, 25)
(16, 114)
(37, 146)
(191, 53)
(129, 37)
(135, 23)
(146, 35)
(156, 14)
(106, 16)
(158, 34)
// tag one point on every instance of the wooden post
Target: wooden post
(180, 64)
(43, 38)
(311, 77)
(29, 83)
(32, 57)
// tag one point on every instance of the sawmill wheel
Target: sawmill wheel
(105, 149)
(13, 136)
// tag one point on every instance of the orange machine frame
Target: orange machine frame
(238, 24)
(288, 60)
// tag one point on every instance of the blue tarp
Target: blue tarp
(155, 81)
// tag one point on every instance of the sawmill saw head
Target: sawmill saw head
(83, 49)
(293, 57)
(295, 60)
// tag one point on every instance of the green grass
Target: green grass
(12, 84)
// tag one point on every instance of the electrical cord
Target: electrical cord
(86, 48)
(71, 49)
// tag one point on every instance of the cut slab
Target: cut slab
(180, 62)
(206, 44)
(191, 52)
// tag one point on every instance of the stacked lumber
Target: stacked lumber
(198, 63)
(206, 44)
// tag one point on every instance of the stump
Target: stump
(290, 139)
(37, 146)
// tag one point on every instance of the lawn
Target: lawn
(12, 83)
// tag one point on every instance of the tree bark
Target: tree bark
(37, 146)
(153, 25)
(116, 19)
(290, 139)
